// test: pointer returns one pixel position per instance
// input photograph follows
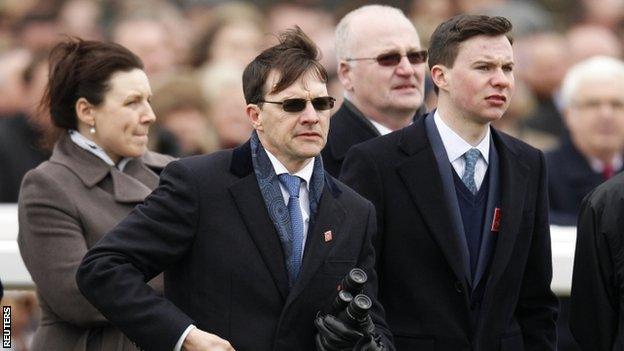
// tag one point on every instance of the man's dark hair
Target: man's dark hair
(445, 40)
(295, 55)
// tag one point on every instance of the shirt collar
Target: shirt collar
(455, 146)
(305, 173)
(383, 130)
(93, 148)
(598, 166)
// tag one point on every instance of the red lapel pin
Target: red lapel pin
(328, 236)
(496, 220)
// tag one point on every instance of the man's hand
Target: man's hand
(334, 335)
(199, 340)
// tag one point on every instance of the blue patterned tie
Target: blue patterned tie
(471, 156)
(292, 184)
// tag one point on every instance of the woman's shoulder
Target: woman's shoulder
(155, 160)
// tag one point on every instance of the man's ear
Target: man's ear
(253, 112)
(84, 112)
(344, 75)
(440, 76)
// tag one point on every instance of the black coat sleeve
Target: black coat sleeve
(595, 301)
(153, 237)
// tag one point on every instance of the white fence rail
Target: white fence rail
(15, 276)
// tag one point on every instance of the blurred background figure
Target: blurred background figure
(543, 61)
(21, 147)
(181, 109)
(587, 40)
(234, 35)
(149, 39)
(98, 98)
(223, 92)
(593, 99)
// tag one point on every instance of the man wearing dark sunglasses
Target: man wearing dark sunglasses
(381, 66)
(463, 243)
(254, 240)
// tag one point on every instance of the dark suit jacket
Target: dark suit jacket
(207, 226)
(347, 128)
(570, 178)
(421, 271)
(596, 308)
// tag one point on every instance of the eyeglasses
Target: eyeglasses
(596, 104)
(321, 103)
(394, 58)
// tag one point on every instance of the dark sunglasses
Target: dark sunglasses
(393, 58)
(321, 103)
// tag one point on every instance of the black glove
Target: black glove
(369, 343)
(334, 335)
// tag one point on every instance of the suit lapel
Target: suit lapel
(253, 212)
(488, 236)
(330, 217)
(422, 178)
(513, 183)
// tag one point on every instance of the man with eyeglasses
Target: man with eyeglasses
(463, 244)
(381, 66)
(594, 93)
(592, 98)
(253, 241)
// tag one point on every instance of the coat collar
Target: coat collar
(241, 166)
(133, 185)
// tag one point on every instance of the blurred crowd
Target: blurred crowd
(195, 52)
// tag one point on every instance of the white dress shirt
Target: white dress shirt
(304, 190)
(599, 166)
(383, 130)
(304, 194)
(456, 147)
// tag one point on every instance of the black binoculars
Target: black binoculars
(350, 305)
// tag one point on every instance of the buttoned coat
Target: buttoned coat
(422, 279)
(66, 205)
(207, 226)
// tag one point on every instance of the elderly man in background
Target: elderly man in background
(381, 66)
(593, 97)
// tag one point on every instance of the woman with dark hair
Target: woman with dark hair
(98, 97)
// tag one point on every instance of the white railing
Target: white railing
(14, 275)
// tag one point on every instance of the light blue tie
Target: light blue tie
(471, 156)
(292, 184)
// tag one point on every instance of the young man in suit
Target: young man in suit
(381, 66)
(254, 240)
(463, 244)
